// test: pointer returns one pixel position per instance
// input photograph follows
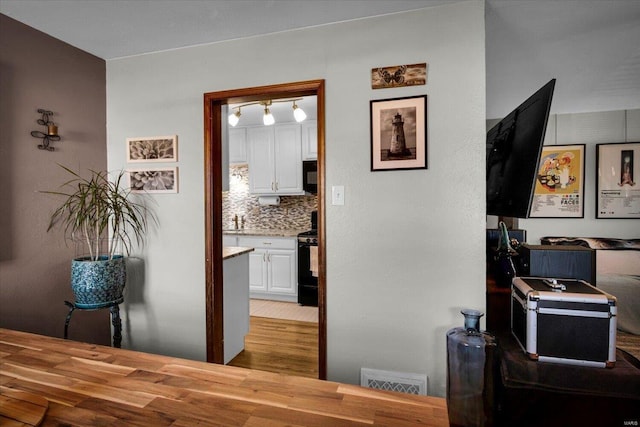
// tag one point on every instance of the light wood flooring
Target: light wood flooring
(282, 310)
(282, 346)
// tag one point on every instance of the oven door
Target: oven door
(307, 282)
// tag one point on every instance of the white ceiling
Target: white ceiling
(591, 46)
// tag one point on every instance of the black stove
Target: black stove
(310, 237)
(308, 264)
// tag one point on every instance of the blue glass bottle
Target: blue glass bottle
(471, 371)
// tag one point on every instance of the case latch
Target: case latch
(553, 284)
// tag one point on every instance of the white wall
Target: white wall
(406, 251)
(589, 129)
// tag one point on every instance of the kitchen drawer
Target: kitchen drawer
(267, 242)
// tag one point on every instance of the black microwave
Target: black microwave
(310, 176)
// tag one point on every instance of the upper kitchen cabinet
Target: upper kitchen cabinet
(309, 140)
(275, 159)
(237, 145)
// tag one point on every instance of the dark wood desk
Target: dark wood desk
(533, 394)
(88, 384)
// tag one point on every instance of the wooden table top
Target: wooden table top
(88, 384)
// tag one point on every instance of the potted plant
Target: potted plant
(94, 207)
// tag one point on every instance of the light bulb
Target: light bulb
(268, 119)
(298, 113)
(234, 118)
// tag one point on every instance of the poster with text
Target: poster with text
(559, 188)
(617, 187)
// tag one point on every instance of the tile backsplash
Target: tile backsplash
(293, 213)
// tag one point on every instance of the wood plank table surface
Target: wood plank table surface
(87, 384)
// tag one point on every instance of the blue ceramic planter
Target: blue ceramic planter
(98, 284)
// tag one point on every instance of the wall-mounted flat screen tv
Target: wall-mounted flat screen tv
(513, 151)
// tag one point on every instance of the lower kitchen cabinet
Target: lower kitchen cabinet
(272, 267)
(236, 302)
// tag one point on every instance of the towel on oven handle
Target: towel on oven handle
(313, 260)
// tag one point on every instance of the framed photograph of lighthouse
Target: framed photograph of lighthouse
(399, 133)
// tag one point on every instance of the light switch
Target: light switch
(337, 195)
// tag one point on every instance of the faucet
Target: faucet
(243, 220)
(235, 221)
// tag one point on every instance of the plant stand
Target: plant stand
(114, 308)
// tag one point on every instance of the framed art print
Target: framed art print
(153, 180)
(617, 186)
(559, 187)
(152, 149)
(399, 133)
(398, 76)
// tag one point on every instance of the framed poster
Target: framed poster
(152, 149)
(153, 180)
(559, 188)
(617, 187)
(399, 133)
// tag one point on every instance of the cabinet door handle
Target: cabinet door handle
(277, 186)
(264, 257)
(266, 243)
(273, 186)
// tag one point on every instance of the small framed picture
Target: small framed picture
(153, 180)
(559, 187)
(152, 149)
(617, 186)
(399, 133)
(398, 76)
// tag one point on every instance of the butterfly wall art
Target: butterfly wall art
(398, 76)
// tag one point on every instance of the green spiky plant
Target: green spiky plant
(94, 207)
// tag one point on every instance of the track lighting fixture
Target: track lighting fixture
(267, 118)
(234, 118)
(298, 113)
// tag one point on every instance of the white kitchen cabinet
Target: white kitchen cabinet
(236, 304)
(275, 159)
(237, 145)
(258, 270)
(260, 145)
(309, 135)
(272, 267)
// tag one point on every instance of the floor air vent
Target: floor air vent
(394, 381)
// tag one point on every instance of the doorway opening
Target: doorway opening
(213, 122)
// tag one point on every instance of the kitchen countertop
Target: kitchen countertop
(233, 251)
(260, 232)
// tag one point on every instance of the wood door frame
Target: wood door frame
(213, 120)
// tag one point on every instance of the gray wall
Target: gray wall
(406, 251)
(38, 71)
(589, 129)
